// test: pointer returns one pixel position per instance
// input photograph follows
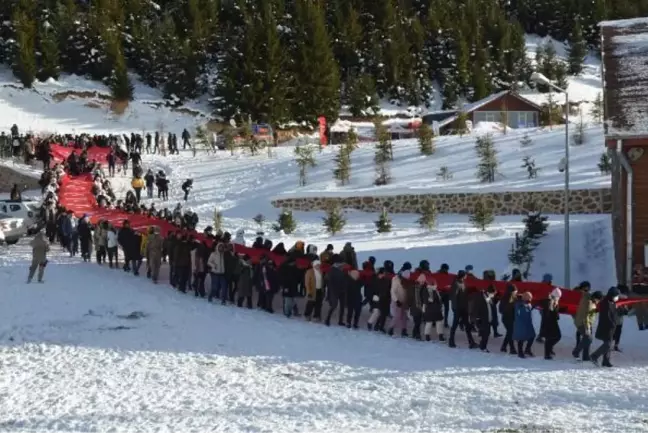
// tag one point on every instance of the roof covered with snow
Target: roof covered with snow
(625, 66)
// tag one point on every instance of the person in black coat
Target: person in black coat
(460, 310)
(432, 312)
(186, 188)
(481, 314)
(549, 327)
(353, 298)
(507, 311)
(607, 323)
(266, 282)
(85, 238)
(150, 182)
(445, 296)
(336, 283)
(126, 239)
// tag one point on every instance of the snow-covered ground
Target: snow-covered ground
(72, 360)
(74, 105)
(414, 173)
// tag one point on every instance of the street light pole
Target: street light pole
(540, 78)
(567, 210)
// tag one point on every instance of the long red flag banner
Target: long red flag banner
(75, 194)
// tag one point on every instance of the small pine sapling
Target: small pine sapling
(342, 171)
(218, 220)
(526, 141)
(504, 117)
(201, 139)
(461, 123)
(482, 215)
(250, 139)
(259, 219)
(579, 135)
(597, 109)
(521, 254)
(383, 139)
(426, 139)
(285, 222)
(428, 218)
(529, 165)
(334, 221)
(384, 224)
(229, 139)
(605, 164)
(352, 141)
(444, 173)
(535, 226)
(305, 159)
(487, 167)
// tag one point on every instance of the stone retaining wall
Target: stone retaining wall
(586, 201)
(8, 177)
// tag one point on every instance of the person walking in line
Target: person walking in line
(40, 248)
(584, 321)
(607, 323)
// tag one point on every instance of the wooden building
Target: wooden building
(624, 45)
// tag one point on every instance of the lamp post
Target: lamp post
(541, 79)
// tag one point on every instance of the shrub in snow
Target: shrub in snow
(305, 159)
(461, 123)
(428, 216)
(535, 226)
(605, 163)
(218, 220)
(597, 109)
(383, 154)
(482, 215)
(521, 253)
(444, 173)
(249, 140)
(384, 224)
(526, 141)
(342, 171)
(228, 138)
(487, 154)
(285, 222)
(201, 139)
(426, 139)
(260, 220)
(579, 134)
(334, 221)
(529, 165)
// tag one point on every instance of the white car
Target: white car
(12, 229)
(26, 210)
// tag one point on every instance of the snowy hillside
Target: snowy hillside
(74, 105)
(413, 173)
(95, 349)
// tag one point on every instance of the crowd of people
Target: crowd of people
(396, 302)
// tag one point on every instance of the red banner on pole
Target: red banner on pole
(322, 130)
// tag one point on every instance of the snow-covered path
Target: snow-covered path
(73, 360)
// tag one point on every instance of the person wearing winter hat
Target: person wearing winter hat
(607, 323)
(584, 321)
(327, 255)
(546, 279)
(459, 300)
(314, 285)
(445, 296)
(621, 313)
(399, 300)
(469, 270)
(549, 326)
(523, 330)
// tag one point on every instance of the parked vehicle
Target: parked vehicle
(11, 229)
(261, 132)
(27, 210)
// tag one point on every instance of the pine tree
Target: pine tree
(384, 224)
(201, 140)
(121, 87)
(529, 165)
(342, 171)
(334, 221)
(229, 139)
(382, 155)
(426, 139)
(249, 140)
(536, 226)
(526, 141)
(444, 173)
(504, 117)
(316, 70)
(577, 50)
(305, 159)
(49, 61)
(579, 137)
(521, 254)
(24, 62)
(482, 215)
(285, 222)
(487, 154)
(218, 220)
(362, 98)
(605, 164)
(461, 123)
(597, 109)
(428, 218)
